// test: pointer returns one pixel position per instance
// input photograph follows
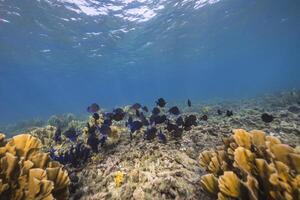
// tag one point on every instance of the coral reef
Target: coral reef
(27, 173)
(145, 171)
(252, 165)
(165, 167)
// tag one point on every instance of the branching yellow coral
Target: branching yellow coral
(27, 173)
(119, 178)
(257, 167)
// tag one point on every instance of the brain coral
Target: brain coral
(27, 173)
(252, 165)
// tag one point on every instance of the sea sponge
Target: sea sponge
(254, 166)
(27, 173)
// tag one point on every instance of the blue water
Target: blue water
(59, 56)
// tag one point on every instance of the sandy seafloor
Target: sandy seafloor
(171, 171)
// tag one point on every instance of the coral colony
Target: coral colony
(249, 165)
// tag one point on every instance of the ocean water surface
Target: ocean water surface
(59, 56)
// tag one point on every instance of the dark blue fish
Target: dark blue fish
(119, 114)
(150, 133)
(57, 135)
(177, 133)
(96, 116)
(145, 108)
(107, 122)
(109, 115)
(229, 113)
(93, 108)
(189, 103)
(267, 118)
(137, 113)
(71, 134)
(174, 130)
(155, 111)
(144, 120)
(158, 119)
(103, 140)
(190, 120)
(136, 106)
(179, 121)
(162, 138)
(204, 118)
(219, 112)
(76, 156)
(171, 127)
(130, 120)
(174, 110)
(105, 129)
(91, 129)
(135, 126)
(93, 142)
(161, 102)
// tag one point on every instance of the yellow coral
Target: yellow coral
(270, 168)
(119, 178)
(230, 184)
(2, 137)
(243, 159)
(242, 138)
(210, 183)
(205, 158)
(27, 173)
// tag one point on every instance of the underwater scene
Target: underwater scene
(150, 100)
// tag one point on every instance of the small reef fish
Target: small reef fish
(267, 118)
(144, 120)
(93, 108)
(162, 138)
(150, 133)
(190, 120)
(158, 119)
(118, 114)
(174, 110)
(96, 116)
(204, 118)
(161, 102)
(155, 111)
(135, 126)
(179, 121)
(145, 108)
(229, 113)
(171, 127)
(219, 112)
(189, 103)
(109, 115)
(107, 122)
(71, 134)
(137, 113)
(105, 129)
(136, 106)
(93, 142)
(177, 133)
(57, 135)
